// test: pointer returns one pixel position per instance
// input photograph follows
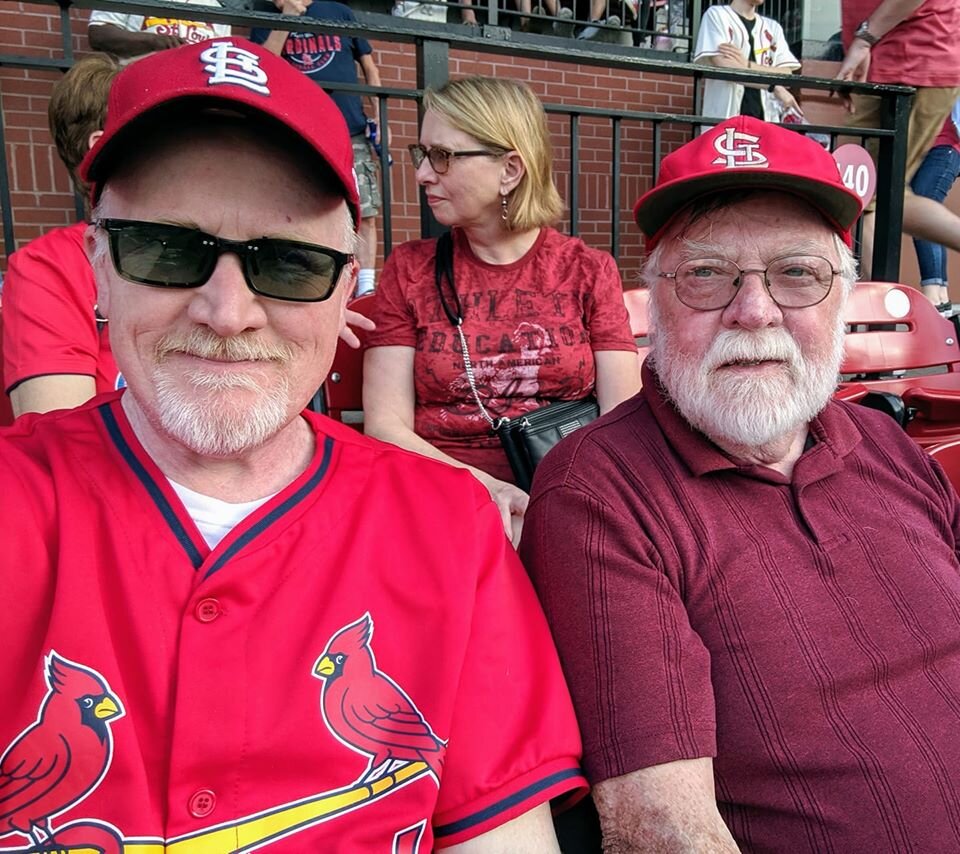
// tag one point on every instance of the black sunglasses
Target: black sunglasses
(440, 157)
(173, 256)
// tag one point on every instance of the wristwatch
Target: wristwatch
(863, 33)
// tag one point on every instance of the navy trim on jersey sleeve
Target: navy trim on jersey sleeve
(168, 513)
(276, 513)
(524, 794)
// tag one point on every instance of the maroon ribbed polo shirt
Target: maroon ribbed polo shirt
(804, 631)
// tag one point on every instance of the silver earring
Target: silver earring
(99, 317)
(504, 213)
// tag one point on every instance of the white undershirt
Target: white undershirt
(214, 518)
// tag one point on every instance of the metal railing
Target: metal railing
(637, 139)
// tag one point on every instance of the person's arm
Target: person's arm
(710, 36)
(54, 391)
(786, 99)
(389, 397)
(607, 323)
(371, 76)
(856, 64)
(275, 41)
(890, 13)
(113, 39)
(784, 62)
(729, 56)
(618, 377)
(669, 809)
(530, 833)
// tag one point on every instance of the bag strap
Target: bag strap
(443, 268)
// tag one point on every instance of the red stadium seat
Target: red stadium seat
(6, 412)
(342, 392)
(636, 301)
(948, 455)
(894, 328)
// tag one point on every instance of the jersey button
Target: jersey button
(202, 803)
(207, 610)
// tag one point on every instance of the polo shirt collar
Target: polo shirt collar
(834, 431)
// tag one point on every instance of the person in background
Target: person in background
(56, 350)
(543, 313)
(417, 11)
(754, 587)
(335, 59)
(737, 36)
(601, 23)
(233, 623)
(131, 36)
(469, 17)
(911, 43)
(933, 180)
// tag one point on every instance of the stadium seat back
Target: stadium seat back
(637, 302)
(342, 391)
(893, 328)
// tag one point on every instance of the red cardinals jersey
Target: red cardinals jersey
(360, 665)
(49, 322)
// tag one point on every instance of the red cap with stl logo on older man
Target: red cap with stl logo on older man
(745, 153)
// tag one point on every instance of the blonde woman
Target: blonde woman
(542, 313)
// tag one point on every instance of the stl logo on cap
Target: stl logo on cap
(739, 150)
(227, 63)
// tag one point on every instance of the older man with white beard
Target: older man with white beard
(230, 623)
(754, 588)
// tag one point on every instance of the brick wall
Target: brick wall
(39, 186)
(41, 190)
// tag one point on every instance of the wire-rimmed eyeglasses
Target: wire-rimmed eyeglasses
(440, 157)
(793, 281)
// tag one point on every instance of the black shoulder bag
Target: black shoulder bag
(527, 439)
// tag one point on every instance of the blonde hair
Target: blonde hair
(505, 115)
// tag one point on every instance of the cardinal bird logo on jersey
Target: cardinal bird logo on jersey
(367, 711)
(57, 761)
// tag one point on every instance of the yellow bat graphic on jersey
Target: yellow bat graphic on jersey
(253, 831)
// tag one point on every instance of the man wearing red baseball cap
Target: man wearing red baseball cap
(232, 624)
(754, 588)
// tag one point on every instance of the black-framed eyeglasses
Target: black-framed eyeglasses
(172, 256)
(793, 281)
(440, 157)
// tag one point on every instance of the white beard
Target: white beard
(211, 421)
(751, 412)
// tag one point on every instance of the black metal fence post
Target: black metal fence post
(433, 70)
(891, 169)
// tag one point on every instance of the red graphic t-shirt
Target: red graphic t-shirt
(531, 328)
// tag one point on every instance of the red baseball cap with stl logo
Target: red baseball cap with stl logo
(742, 154)
(230, 73)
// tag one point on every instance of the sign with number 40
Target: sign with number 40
(857, 170)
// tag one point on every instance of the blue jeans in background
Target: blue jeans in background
(933, 180)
